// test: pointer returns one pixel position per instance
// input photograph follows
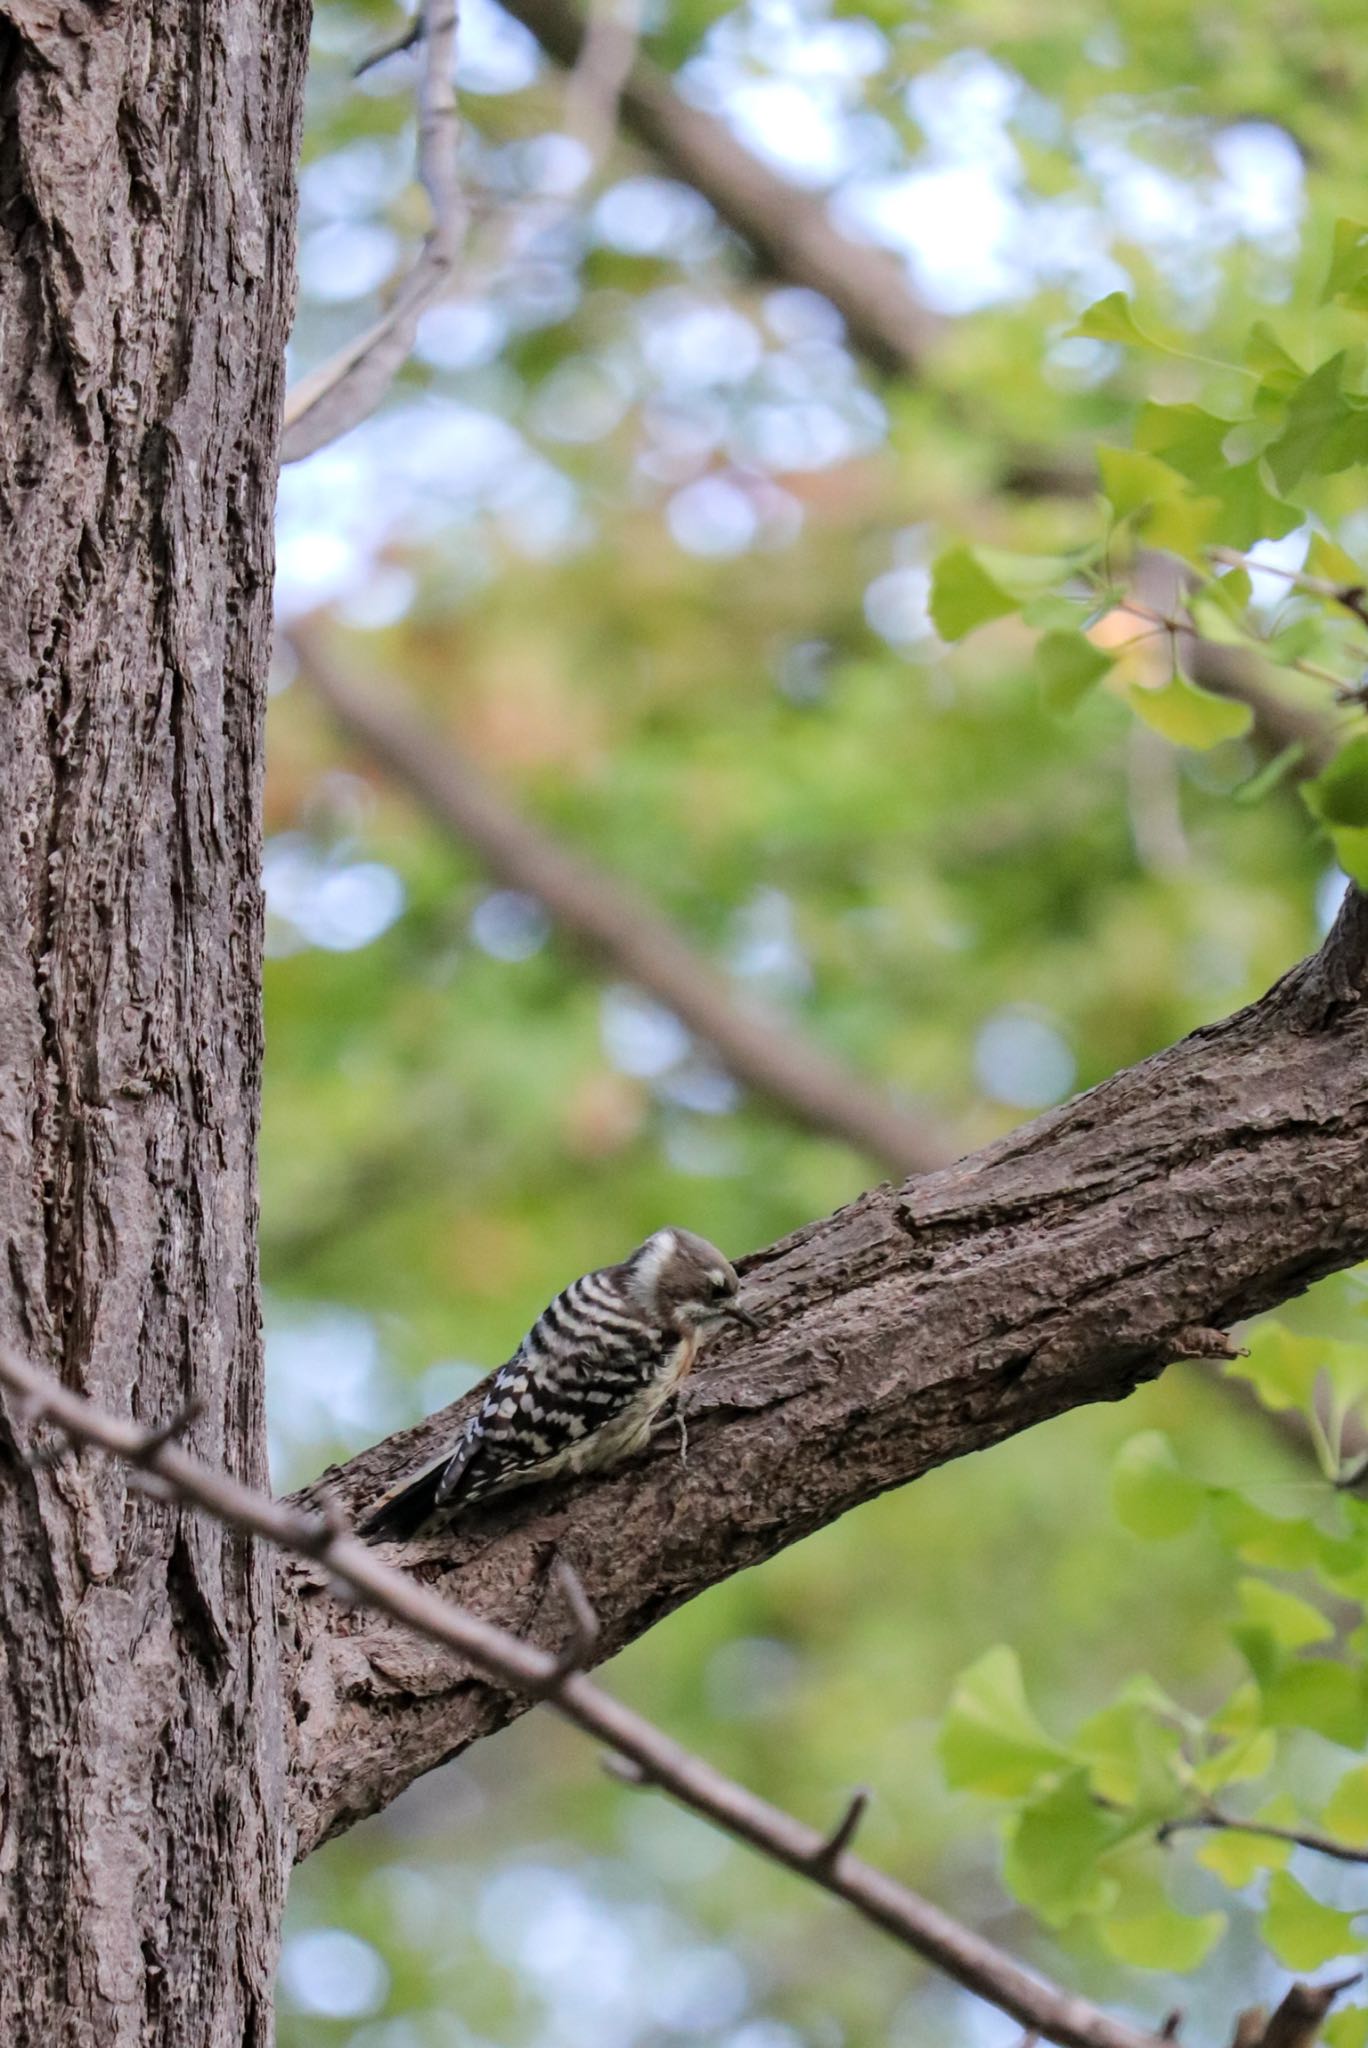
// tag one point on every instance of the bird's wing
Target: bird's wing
(492, 1444)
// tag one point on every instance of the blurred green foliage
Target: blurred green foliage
(641, 537)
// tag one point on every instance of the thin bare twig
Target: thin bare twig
(348, 387)
(758, 1048)
(655, 1759)
(394, 48)
(1232, 1824)
(1352, 597)
(344, 390)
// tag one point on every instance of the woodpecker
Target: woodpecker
(584, 1386)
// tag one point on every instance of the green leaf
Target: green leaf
(1232, 588)
(1111, 319)
(1339, 794)
(1250, 511)
(1186, 437)
(1193, 442)
(1214, 621)
(1346, 1368)
(1132, 480)
(1266, 779)
(1029, 576)
(1326, 558)
(1188, 716)
(1292, 1623)
(1052, 1853)
(1252, 1756)
(1282, 1543)
(1267, 357)
(1186, 526)
(1067, 666)
(1305, 635)
(1282, 1368)
(1347, 2029)
(1348, 278)
(1301, 1932)
(1347, 1814)
(1351, 851)
(1053, 613)
(1326, 428)
(1131, 1754)
(1162, 1938)
(1317, 1693)
(1152, 1496)
(1237, 1858)
(991, 1741)
(964, 595)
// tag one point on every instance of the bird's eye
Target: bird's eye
(718, 1283)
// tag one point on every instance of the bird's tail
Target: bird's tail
(404, 1513)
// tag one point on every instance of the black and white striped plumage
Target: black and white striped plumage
(585, 1385)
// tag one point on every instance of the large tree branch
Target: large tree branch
(1063, 1265)
(758, 1047)
(650, 1756)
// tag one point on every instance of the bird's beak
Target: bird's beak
(737, 1314)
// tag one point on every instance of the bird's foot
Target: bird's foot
(675, 1420)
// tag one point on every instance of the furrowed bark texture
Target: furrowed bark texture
(146, 284)
(1063, 1265)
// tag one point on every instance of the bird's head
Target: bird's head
(678, 1278)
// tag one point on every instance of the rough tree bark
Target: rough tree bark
(1063, 1265)
(146, 285)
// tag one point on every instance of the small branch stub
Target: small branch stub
(1297, 2021)
(171, 1432)
(577, 1653)
(843, 1834)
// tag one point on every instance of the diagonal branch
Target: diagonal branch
(1232, 1824)
(1063, 1265)
(757, 1047)
(653, 1757)
(347, 388)
(791, 232)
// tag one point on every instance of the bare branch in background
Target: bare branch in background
(595, 82)
(790, 231)
(1353, 597)
(654, 1758)
(590, 104)
(760, 1049)
(347, 388)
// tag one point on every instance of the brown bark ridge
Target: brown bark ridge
(1064, 1264)
(146, 285)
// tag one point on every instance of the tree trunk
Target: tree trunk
(146, 284)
